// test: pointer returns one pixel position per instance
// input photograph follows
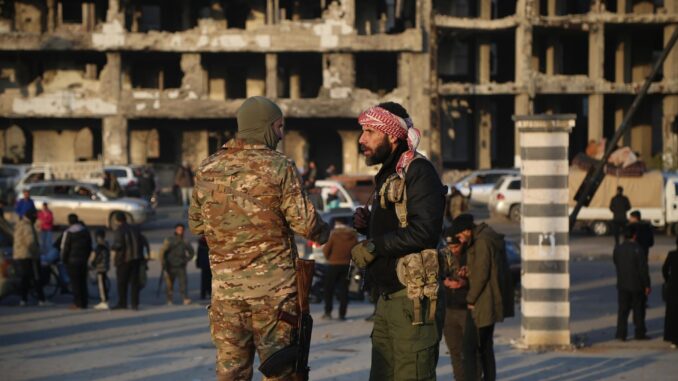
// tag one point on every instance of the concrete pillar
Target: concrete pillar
(545, 306)
(339, 74)
(295, 146)
(194, 147)
(51, 15)
(349, 11)
(195, 76)
(256, 81)
(295, 82)
(351, 155)
(523, 101)
(272, 75)
(138, 143)
(115, 140)
(596, 73)
(483, 121)
(483, 52)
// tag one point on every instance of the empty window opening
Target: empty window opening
(235, 76)
(302, 10)
(377, 72)
(564, 7)
(455, 59)
(154, 70)
(385, 16)
(71, 11)
(503, 8)
(157, 15)
(456, 8)
(556, 48)
(458, 133)
(300, 75)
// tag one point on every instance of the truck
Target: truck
(84, 171)
(654, 194)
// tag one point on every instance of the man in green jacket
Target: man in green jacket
(484, 297)
(176, 253)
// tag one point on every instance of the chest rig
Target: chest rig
(418, 272)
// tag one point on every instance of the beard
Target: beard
(380, 154)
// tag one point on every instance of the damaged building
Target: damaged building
(159, 82)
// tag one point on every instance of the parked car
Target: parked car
(10, 175)
(329, 188)
(126, 178)
(505, 198)
(479, 184)
(92, 204)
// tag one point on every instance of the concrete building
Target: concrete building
(151, 81)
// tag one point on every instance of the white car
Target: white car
(505, 198)
(334, 188)
(479, 184)
(124, 174)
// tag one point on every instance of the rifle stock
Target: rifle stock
(296, 354)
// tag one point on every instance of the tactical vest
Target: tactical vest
(418, 272)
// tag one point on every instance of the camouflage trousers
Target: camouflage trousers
(239, 327)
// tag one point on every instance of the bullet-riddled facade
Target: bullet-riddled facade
(149, 81)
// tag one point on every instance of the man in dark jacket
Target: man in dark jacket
(337, 251)
(399, 349)
(619, 205)
(485, 304)
(644, 234)
(101, 264)
(76, 246)
(633, 285)
(176, 253)
(128, 245)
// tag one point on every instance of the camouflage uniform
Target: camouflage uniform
(248, 202)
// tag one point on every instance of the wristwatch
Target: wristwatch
(369, 245)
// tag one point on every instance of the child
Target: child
(101, 263)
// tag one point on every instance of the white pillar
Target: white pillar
(545, 305)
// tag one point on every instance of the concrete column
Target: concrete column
(339, 74)
(351, 156)
(349, 11)
(51, 14)
(545, 306)
(483, 52)
(295, 82)
(194, 147)
(295, 146)
(272, 75)
(483, 120)
(115, 140)
(256, 81)
(523, 101)
(622, 73)
(596, 73)
(195, 76)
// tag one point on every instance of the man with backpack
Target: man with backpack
(490, 293)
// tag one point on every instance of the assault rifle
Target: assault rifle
(296, 354)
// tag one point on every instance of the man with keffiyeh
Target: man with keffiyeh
(401, 350)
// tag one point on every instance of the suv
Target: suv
(478, 184)
(126, 178)
(505, 198)
(93, 205)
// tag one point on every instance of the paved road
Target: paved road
(172, 342)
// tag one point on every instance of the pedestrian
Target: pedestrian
(337, 251)
(456, 289)
(76, 246)
(633, 285)
(146, 184)
(311, 174)
(24, 204)
(184, 180)
(202, 261)
(128, 246)
(176, 253)
(6, 229)
(670, 292)
(248, 203)
(644, 233)
(26, 254)
(111, 185)
(396, 227)
(456, 204)
(101, 264)
(619, 205)
(46, 224)
(484, 248)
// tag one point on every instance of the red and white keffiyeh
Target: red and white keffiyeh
(384, 121)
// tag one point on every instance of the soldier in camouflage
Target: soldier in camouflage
(248, 203)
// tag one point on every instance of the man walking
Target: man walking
(337, 251)
(26, 252)
(76, 247)
(633, 285)
(176, 253)
(128, 245)
(183, 179)
(248, 203)
(456, 289)
(619, 205)
(484, 299)
(406, 218)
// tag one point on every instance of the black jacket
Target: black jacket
(128, 244)
(619, 205)
(75, 245)
(425, 208)
(632, 270)
(644, 235)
